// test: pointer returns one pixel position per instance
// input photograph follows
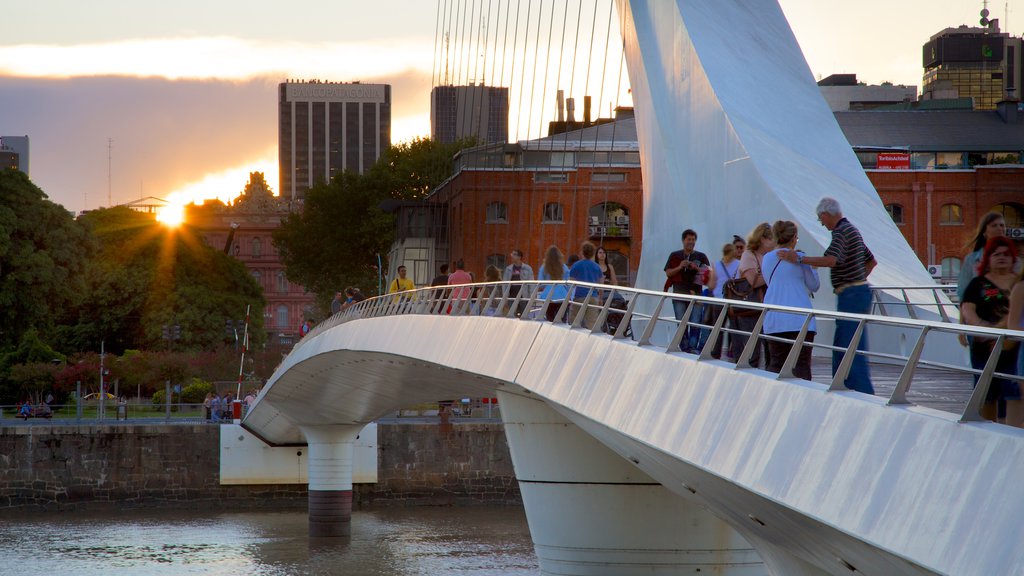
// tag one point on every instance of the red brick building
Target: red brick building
(939, 170)
(560, 190)
(244, 230)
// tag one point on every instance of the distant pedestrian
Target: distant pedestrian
(208, 406)
(515, 272)
(458, 278)
(726, 268)
(586, 270)
(442, 278)
(851, 262)
(555, 271)
(337, 303)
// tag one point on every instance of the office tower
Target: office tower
(14, 150)
(325, 128)
(980, 63)
(469, 111)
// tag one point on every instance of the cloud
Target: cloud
(167, 134)
(221, 58)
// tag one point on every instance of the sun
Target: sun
(171, 215)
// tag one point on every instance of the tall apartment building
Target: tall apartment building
(14, 152)
(980, 63)
(458, 112)
(325, 128)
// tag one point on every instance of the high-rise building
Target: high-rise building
(325, 128)
(983, 64)
(14, 152)
(478, 111)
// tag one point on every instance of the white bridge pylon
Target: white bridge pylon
(733, 131)
(636, 461)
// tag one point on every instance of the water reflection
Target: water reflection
(405, 541)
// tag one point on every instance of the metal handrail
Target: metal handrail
(537, 295)
(911, 308)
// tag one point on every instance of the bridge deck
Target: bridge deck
(939, 389)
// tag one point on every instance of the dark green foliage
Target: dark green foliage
(335, 241)
(146, 277)
(43, 253)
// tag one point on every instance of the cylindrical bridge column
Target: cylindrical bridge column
(592, 513)
(330, 478)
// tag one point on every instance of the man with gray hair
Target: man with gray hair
(851, 261)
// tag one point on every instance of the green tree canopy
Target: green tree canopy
(145, 277)
(43, 253)
(336, 239)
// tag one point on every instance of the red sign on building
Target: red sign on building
(893, 161)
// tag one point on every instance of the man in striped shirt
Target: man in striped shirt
(851, 261)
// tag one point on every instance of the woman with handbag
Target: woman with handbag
(759, 243)
(789, 284)
(725, 269)
(987, 303)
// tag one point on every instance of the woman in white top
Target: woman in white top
(788, 285)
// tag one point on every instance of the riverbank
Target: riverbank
(98, 466)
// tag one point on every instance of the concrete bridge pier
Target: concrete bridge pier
(592, 513)
(330, 478)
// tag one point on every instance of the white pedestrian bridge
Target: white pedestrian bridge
(634, 458)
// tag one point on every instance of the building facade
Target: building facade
(243, 229)
(939, 171)
(983, 64)
(479, 111)
(561, 190)
(14, 153)
(325, 128)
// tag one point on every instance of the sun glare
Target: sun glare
(226, 186)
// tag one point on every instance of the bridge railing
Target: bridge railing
(907, 301)
(648, 317)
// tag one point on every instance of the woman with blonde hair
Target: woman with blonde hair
(759, 242)
(553, 270)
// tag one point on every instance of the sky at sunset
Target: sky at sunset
(181, 96)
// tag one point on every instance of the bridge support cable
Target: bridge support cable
(330, 478)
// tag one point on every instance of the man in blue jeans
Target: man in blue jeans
(851, 262)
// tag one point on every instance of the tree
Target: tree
(154, 287)
(43, 254)
(336, 239)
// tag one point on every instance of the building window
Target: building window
(1013, 214)
(554, 213)
(950, 268)
(496, 260)
(896, 212)
(550, 177)
(608, 219)
(258, 277)
(257, 248)
(416, 265)
(282, 282)
(608, 177)
(951, 214)
(282, 316)
(497, 213)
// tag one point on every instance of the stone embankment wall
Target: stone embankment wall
(84, 466)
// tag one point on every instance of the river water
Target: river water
(473, 541)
